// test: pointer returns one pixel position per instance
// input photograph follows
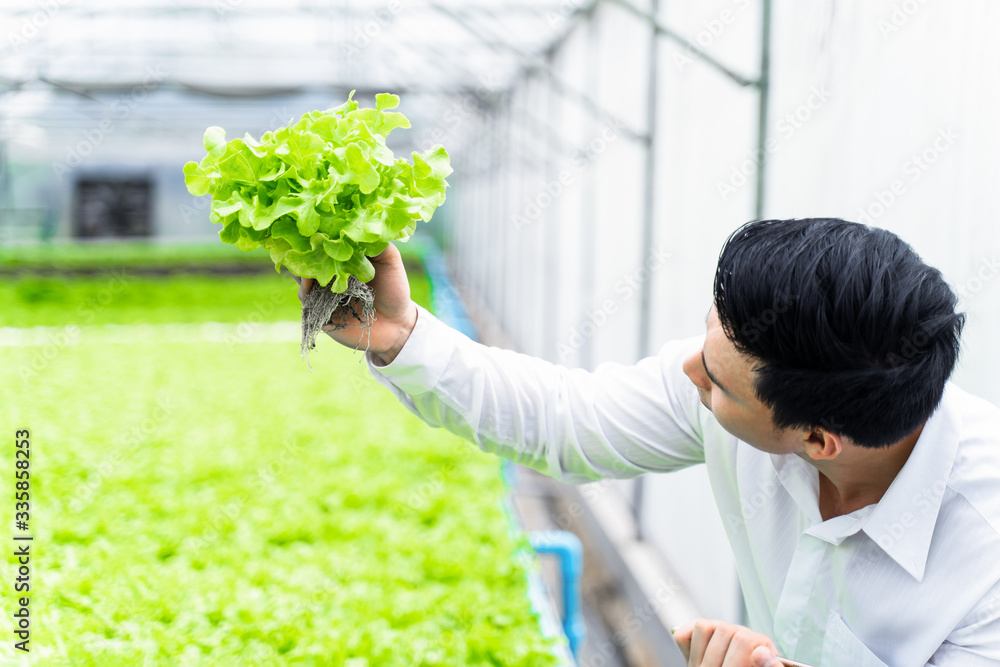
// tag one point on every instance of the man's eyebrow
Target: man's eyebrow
(712, 377)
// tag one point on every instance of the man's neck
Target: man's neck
(860, 476)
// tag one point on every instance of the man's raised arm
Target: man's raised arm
(619, 421)
(574, 425)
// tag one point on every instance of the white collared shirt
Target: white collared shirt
(909, 581)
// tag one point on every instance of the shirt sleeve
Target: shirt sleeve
(577, 426)
(976, 641)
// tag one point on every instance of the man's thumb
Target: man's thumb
(764, 657)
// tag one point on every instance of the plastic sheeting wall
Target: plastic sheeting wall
(908, 140)
(880, 112)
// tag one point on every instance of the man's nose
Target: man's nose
(695, 370)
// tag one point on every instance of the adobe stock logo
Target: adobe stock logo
(712, 30)
(899, 17)
(987, 270)
(34, 24)
(121, 109)
(913, 169)
(535, 206)
(924, 501)
(753, 329)
(786, 128)
(626, 286)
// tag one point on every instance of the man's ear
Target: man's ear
(821, 444)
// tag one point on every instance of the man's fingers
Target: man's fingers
(304, 286)
(386, 254)
(701, 638)
(710, 643)
(682, 635)
(764, 657)
(717, 650)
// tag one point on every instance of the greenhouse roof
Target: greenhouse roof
(258, 48)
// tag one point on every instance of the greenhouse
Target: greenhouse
(608, 333)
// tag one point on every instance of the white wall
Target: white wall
(913, 100)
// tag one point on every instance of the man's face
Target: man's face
(724, 378)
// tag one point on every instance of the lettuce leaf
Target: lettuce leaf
(321, 194)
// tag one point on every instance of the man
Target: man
(821, 386)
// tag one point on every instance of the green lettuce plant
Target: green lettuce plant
(322, 195)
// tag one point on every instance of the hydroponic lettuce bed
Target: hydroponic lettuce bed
(124, 297)
(39, 288)
(218, 504)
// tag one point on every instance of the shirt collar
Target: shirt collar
(801, 481)
(902, 523)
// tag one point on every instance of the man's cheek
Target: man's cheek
(729, 420)
(721, 406)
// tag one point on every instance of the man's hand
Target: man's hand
(395, 312)
(708, 643)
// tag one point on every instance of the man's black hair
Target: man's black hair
(849, 329)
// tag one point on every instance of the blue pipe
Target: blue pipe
(447, 302)
(567, 548)
(508, 470)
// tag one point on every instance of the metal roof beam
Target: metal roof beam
(683, 41)
(358, 10)
(235, 92)
(536, 62)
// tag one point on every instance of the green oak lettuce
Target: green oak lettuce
(323, 194)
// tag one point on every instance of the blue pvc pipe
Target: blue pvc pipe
(566, 546)
(448, 306)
